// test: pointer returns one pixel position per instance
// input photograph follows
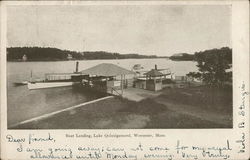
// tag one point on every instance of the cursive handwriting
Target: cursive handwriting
(242, 143)
(242, 113)
(10, 138)
(34, 138)
(34, 147)
(243, 94)
(19, 142)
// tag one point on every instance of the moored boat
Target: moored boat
(56, 80)
(40, 85)
(21, 83)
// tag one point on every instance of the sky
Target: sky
(161, 30)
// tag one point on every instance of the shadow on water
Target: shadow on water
(34, 103)
(88, 93)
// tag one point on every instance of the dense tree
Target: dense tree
(213, 66)
(36, 53)
(54, 54)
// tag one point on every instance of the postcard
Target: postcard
(125, 80)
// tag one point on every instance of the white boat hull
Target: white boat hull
(21, 83)
(40, 85)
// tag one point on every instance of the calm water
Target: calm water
(24, 104)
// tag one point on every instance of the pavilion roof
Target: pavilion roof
(107, 70)
(153, 73)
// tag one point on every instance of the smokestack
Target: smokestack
(77, 64)
(155, 67)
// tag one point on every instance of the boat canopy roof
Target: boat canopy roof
(107, 70)
(60, 74)
(153, 73)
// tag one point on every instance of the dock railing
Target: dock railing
(114, 90)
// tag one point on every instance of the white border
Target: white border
(240, 45)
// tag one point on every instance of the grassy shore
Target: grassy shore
(194, 107)
(205, 97)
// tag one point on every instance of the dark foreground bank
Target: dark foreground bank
(195, 107)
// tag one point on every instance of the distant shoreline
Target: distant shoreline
(19, 54)
(167, 58)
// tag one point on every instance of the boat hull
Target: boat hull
(40, 85)
(21, 83)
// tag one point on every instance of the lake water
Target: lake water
(24, 104)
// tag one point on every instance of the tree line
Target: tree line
(54, 54)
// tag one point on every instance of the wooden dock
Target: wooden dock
(136, 94)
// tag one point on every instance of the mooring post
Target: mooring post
(77, 64)
(122, 83)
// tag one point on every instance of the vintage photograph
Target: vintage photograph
(119, 66)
